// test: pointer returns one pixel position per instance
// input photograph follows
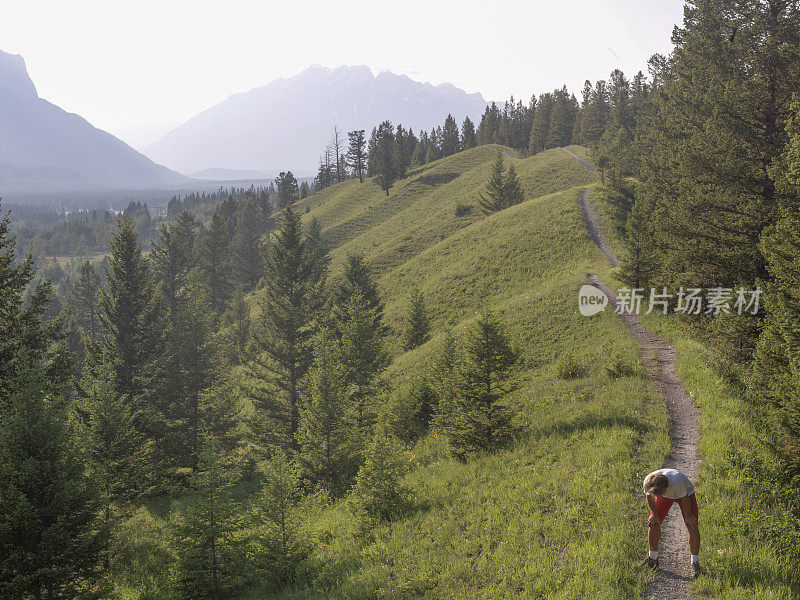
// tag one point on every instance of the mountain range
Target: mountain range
(287, 123)
(44, 147)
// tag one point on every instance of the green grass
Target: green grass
(741, 562)
(557, 516)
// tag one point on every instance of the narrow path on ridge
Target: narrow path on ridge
(672, 582)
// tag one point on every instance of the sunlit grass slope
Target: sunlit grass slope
(557, 515)
(736, 507)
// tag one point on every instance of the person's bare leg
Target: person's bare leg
(654, 532)
(694, 536)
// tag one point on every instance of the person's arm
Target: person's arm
(651, 502)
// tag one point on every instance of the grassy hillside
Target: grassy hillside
(556, 516)
(740, 519)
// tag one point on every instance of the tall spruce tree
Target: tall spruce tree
(363, 355)
(210, 547)
(468, 136)
(357, 153)
(129, 314)
(214, 261)
(289, 312)
(327, 441)
(382, 156)
(719, 124)
(85, 298)
(493, 198)
(418, 323)
(287, 189)
(483, 421)
(50, 537)
(451, 142)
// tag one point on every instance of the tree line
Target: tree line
(161, 378)
(702, 168)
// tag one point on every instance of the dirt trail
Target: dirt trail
(506, 153)
(583, 161)
(659, 359)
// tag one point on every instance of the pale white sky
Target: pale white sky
(138, 68)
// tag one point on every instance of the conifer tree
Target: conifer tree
(246, 254)
(214, 261)
(211, 549)
(50, 538)
(357, 278)
(776, 364)
(483, 420)
(450, 137)
(289, 312)
(327, 453)
(85, 297)
(382, 156)
(418, 327)
(468, 136)
(283, 540)
(363, 355)
(640, 263)
(443, 377)
(117, 454)
(540, 129)
(237, 323)
(287, 189)
(357, 153)
(22, 319)
(494, 198)
(379, 493)
(512, 189)
(129, 316)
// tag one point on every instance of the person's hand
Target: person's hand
(653, 520)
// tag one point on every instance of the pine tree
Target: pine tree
(357, 278)
(540, 129)
(379, 494)
(776, 364)
(289, 312)
(129, 316)
(640, 263)
(50, 538)
(356, 153)
(283, 540)
(483, 421)
(246, 255)
(287, 189)
(494, 199)
(418, 327)
(327, 441)
(214, 261)
(23, 308)
(451, 142)
(117, 454)
(719, 123)
(468, 136)
(237, 323)
(443, 377)
(210, 547)
(362, 353)
(85, 296)
(382, 156)
(512, 189)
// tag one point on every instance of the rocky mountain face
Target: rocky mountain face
(286, 123)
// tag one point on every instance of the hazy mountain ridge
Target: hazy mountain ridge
(285, 124)
(41, 143)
